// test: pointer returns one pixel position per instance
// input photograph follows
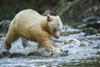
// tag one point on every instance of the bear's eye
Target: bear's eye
(55, 29)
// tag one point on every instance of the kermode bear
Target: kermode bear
(31, 25)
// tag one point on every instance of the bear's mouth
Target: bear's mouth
(56, 36)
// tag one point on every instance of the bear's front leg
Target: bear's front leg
(50, 47)
(39, 46)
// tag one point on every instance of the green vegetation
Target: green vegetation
(8, 8)
(69, 10)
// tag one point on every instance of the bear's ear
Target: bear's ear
(48, 17)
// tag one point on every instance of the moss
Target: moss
(9, 8)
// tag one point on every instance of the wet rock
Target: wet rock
(98, 35)
(64, 53)
(90, 31)
(72, 42)
(6, 53)
(85, 43)
(98, 53)
(94, 25)
(81, 26)
(1, 55)
(97, 47)
(67, 41)
(92, 18)
(94, 22)
(34, 54)
(4, 26)
(16, 55)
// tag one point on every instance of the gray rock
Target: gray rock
(90, 31)
(91, 18)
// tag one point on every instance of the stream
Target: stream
(85, 52)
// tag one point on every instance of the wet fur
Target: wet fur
(31, 25)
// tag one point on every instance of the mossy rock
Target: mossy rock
(90, 31)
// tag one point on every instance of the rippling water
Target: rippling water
(79, 53)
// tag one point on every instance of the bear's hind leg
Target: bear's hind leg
(24, 42)
(7, 45)
(11, 37)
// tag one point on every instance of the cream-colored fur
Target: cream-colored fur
(31, 25)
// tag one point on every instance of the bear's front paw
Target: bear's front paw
(61, 53)
(58, 53)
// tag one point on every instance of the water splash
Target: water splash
(78, 53)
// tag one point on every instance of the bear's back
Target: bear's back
(28, 15)
(27, 21)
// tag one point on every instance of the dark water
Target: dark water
(82, 53)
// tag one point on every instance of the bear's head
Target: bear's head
(55, 25)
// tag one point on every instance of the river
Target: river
(83, 53)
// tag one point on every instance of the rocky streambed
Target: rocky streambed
(79, 51)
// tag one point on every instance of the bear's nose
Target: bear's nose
(57, 37)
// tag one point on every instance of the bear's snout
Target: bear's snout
(56, 37)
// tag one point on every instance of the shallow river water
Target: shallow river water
(85, 52)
